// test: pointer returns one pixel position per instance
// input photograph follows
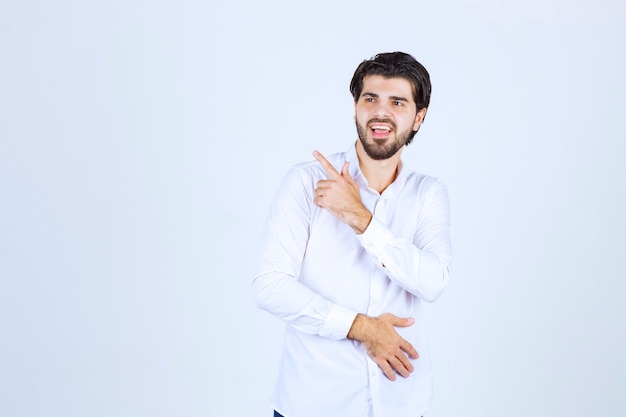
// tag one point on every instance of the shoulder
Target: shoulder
(313, 170)
(304, 176)
(426, 190)
(423, 182)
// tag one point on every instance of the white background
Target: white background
(141, 143)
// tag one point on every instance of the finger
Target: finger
(384, 366)
(405, 362)
(403, 322)
(328, 167)
(345, 172)
(399, 367)
(324, 183)
(409, 349)
(318, 194)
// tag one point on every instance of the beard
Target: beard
(385, 149)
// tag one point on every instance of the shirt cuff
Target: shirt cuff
(375, 237)
(338, 322)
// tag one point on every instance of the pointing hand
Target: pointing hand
(340, 195)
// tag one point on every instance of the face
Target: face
(386, 115)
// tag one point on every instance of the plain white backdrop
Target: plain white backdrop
(141, 143)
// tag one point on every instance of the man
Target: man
(353, 245)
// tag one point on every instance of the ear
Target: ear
(419, 118)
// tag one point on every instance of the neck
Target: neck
(379, 173)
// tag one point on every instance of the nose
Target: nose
(382, 110)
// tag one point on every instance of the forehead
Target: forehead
(383, 86)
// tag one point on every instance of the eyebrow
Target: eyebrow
(394, 98)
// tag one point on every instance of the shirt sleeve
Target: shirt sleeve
(420, 266)
(283, 244)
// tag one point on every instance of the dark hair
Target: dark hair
(395, 64)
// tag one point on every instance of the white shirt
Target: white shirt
(316, 274)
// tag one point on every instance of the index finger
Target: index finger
(328, 167)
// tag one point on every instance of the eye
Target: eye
(369, 99)
(398, 103)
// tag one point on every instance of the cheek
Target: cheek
(404, 122)
(360, 117)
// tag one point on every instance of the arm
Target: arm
(420, 266)
(283, 244)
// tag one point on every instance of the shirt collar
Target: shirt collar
(355, 172)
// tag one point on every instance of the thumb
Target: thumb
(404, 322)
(345, 172)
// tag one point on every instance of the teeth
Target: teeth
(381, 128)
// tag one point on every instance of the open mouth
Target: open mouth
(380, 131)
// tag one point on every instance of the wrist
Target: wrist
(357, 330)
(361, 221)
